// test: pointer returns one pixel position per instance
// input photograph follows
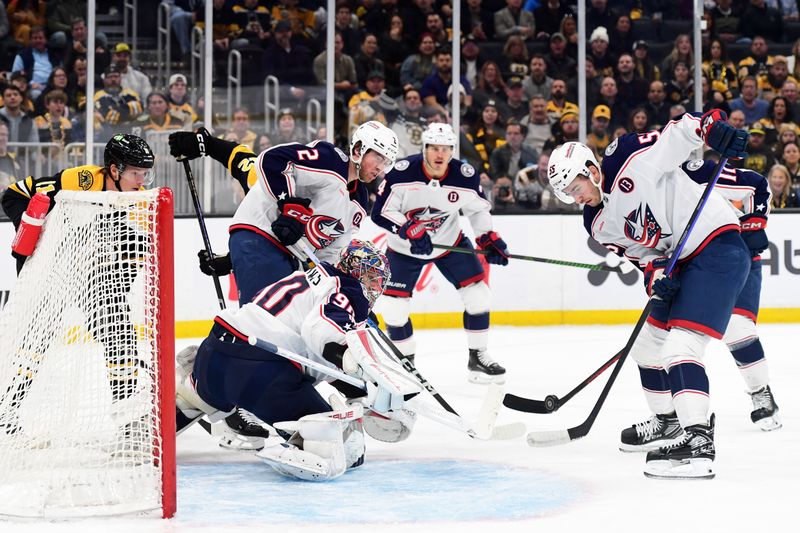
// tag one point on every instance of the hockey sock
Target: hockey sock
(657, 392)
(688, 381)
(752, 365)
(477, 328)
(403, 337)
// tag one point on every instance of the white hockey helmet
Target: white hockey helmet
(567, 162)
(439, 133)
(373, 135)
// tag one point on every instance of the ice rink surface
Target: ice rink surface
(441, 480)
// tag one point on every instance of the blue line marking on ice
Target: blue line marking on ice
(397, 491)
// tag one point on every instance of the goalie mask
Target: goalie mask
(365, 262)
(567, 162)
(126, 150)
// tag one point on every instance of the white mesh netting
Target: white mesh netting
(79, 410)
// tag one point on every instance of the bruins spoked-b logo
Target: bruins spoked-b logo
(85, 180)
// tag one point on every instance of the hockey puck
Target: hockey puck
(551, 403)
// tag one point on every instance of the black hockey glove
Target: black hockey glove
(417, 236)
(753, 233)
(721, 136)
(656, 283)
(219, 265)
(492, 243)
(188, 145)
(290, 225)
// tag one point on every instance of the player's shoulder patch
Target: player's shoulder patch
(612, 147)
(467, 170)
(341, 154)
(401, 165)
(694, 164)
(85, 179)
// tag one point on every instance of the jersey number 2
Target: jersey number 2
(312, 154)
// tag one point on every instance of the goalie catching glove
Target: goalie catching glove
(389, 385)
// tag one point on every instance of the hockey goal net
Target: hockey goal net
(87, 413)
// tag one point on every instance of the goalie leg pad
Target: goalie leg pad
(321, 447)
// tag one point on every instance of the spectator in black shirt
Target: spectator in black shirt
(367, 59)
(344, 24)
(657, 106)
(559, 64)
(599, 14)
(759, 19)
(477, 21)
(288, 62)
(604, 61)
(631, 88)
(548, 17)
(725, 21)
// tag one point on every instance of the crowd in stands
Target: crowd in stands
(393, 63)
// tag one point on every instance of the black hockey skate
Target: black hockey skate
(482, 369)
(691, 458)
(243, 431)
(653, 433)
(765, 410)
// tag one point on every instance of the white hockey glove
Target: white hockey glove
(389, 385)
(323, 446)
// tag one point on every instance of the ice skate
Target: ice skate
(482, 369)
(243, 431)
(765, 410)
(653, 433)
(691, 458)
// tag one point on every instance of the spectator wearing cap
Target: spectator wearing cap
(549, 16)
(157, 117)
(20, 124)
(760, 19)
(241, 133)
(486, 134)
(559, 64)
(507, 160)
(477, 21)
(557, 105)
(604, 61)
(516, 105)
(566, 131)
(537, 81)
(76, 47)
(53, 126)
(631, 89)
(725, 19)
(657, 106)
(471, 60)
(759, 157)
(178, 100)
(644, 67)
(289, 63)
(754, 108)
(135, 80)
(770, 83)
(434, 87)
(302, 21)
(537, 123)
(115, 107)
(363, 106)
(418, 66)
(367, 60)
(599, 136)
(513, 20)
(36, 61)
(757, 62)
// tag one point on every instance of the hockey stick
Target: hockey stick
(589, 266)
(563, 436)
(491, 403)
(202, 221)
(551, 402)
(429, 411)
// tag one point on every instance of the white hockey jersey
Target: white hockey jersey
(649, 197)
(408, 193)
(302, 313)
(317, 171)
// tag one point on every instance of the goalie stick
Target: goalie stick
(563, 436)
